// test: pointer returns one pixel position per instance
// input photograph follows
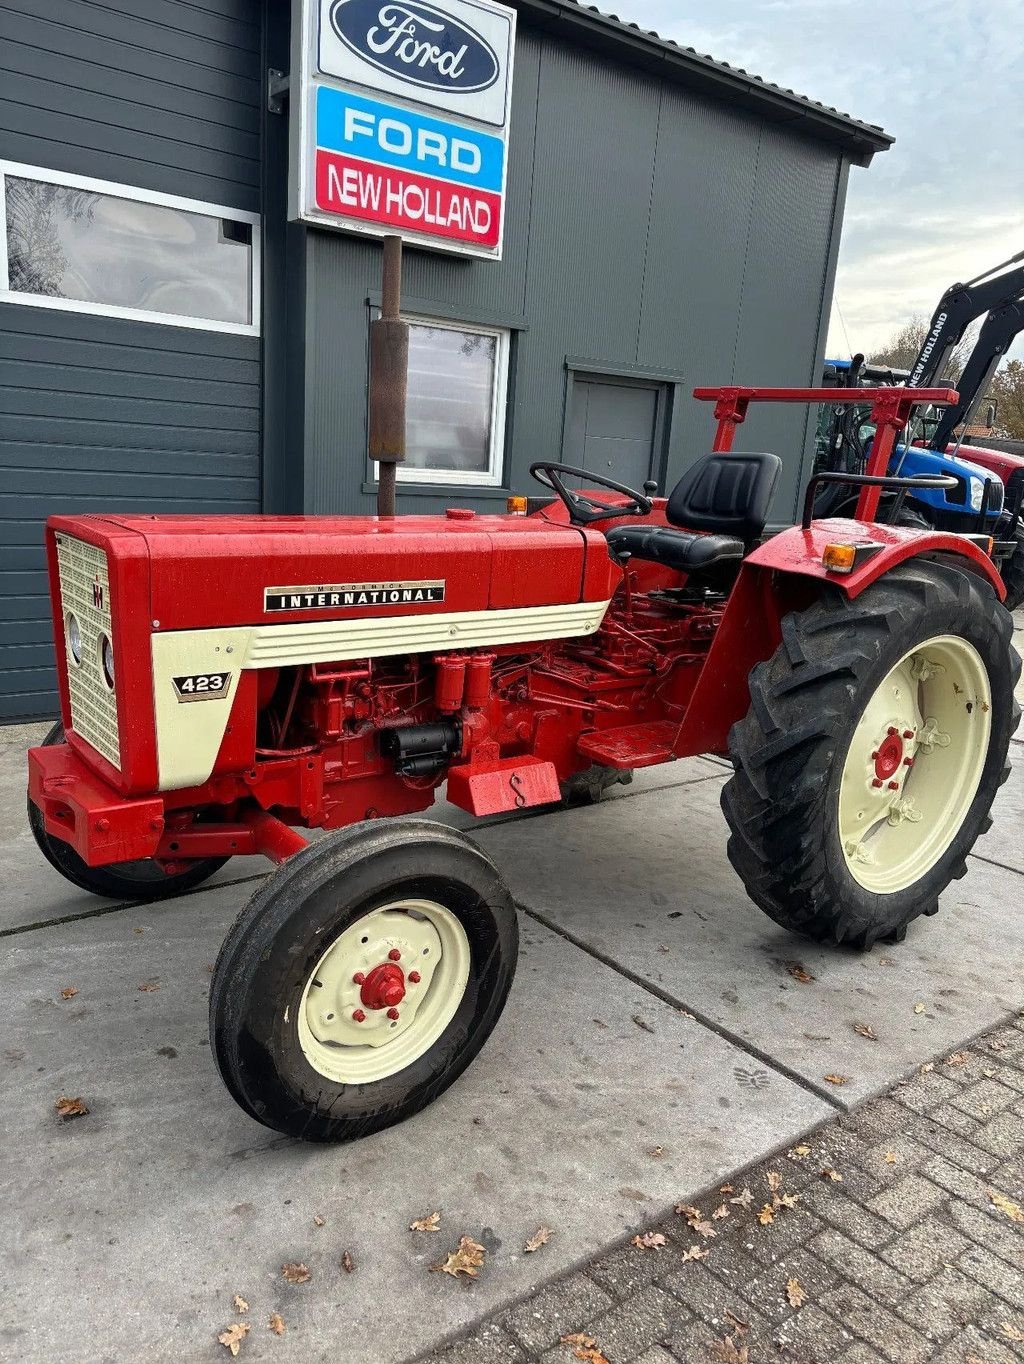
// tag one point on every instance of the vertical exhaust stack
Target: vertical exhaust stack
(389, 377)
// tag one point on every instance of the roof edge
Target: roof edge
(687, 67)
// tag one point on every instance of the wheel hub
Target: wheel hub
(383, 987)
(889, 755)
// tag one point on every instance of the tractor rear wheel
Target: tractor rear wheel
(362, 979)
(875, 743)
(1013, 575)
(142, 880)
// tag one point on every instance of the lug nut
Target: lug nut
(908, 734)
(891, 731)
(358, 978)
(414, 978)
(875, 754)
(394, 955)
(392, 1013)
(876, 781)
(908, 762)
(358, 1016)
(894, 786)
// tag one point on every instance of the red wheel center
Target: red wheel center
(889, 756)
(384, 987)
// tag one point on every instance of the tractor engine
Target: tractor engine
(341, 669)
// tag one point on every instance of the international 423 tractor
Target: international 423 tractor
(228, 681)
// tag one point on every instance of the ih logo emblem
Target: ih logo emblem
(97, 593)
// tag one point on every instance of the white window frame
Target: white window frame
(144, 196)
(467, 478)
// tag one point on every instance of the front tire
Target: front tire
(362, 979)
(836, 835)
(1013, 575)
(143, 880)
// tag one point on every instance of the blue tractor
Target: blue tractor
(989, 484)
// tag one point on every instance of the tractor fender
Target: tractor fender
(800, 552)
(786, 574)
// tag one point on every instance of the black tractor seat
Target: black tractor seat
(725, 496)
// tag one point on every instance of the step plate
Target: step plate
(631, 745)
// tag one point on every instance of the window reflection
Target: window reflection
(450, 399)
(78, 244)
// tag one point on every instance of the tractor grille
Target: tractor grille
(85, 591)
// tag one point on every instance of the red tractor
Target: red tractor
(226, 681)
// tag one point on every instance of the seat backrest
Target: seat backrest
(726, 493)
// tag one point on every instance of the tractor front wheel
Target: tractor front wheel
(874, 746)
(1013, 575)
(362, 979)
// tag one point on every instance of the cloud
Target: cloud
(947, 201)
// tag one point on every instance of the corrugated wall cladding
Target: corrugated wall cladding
(647, 228)
(100, 414)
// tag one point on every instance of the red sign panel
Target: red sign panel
(353, 188)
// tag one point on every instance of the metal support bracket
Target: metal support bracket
(277, 90)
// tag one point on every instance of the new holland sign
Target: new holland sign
(403, 119)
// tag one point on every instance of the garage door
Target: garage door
(129, 313)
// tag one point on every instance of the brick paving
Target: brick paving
(906, 1259)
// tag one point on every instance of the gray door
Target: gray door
(612, 428)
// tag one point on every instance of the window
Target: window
(85, 245)
(455, 412)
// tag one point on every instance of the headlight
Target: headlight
(977, 493)
(107, 659)
(74, 637)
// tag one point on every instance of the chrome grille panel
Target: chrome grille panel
(85, 590)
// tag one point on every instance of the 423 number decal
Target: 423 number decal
(201, 686)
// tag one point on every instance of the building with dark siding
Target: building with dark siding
(170, 342)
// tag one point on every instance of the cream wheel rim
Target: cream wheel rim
(384, 992)
(914, 764)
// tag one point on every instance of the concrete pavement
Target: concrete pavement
(655, 1011)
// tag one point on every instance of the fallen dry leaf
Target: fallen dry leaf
(720, 1212)
(138, 930)
(795, 1293)
(147, 986)
(834, 1175)
(959, 1058)
(295, 1272)
(432, 1222)
(865, 1030)
(1013, 1210)
(276, 1323)
(319, 1221)
(705, 1229)
(232, 1338)
(788, 1200)
(926, 1068)
(650, 1240)
(694, 1253)
(1011, 1332)
(837, 1079)
(70, 1108)
(347, 1262)
(773, 1179)
(466, 1260)
(584, 1347)
(740, 1327)
(688, 1211)
(799, 1152)
(743, 1200)
(890, 1157)
(919, 1008)
(766, 1215)
(240, 1304)
(539, 1238)
(725, 1188)
(69, 992)
(799, 973)
(728, 1352)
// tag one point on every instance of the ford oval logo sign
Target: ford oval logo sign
(417, 42)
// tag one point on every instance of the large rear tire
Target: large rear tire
(143, 880)
(1013, 575)
(362, 979)
(875, 743)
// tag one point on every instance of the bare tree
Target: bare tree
(904, 346)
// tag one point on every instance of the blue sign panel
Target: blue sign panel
(391, 136)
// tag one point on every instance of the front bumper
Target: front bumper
(81, 809)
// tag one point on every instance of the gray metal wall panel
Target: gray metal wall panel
(98, 413)
(648, 228)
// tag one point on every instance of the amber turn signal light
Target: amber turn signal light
(839, 558)
(516, 505)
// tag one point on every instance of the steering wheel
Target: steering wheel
(582, 510)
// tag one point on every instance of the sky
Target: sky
(943, 204)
